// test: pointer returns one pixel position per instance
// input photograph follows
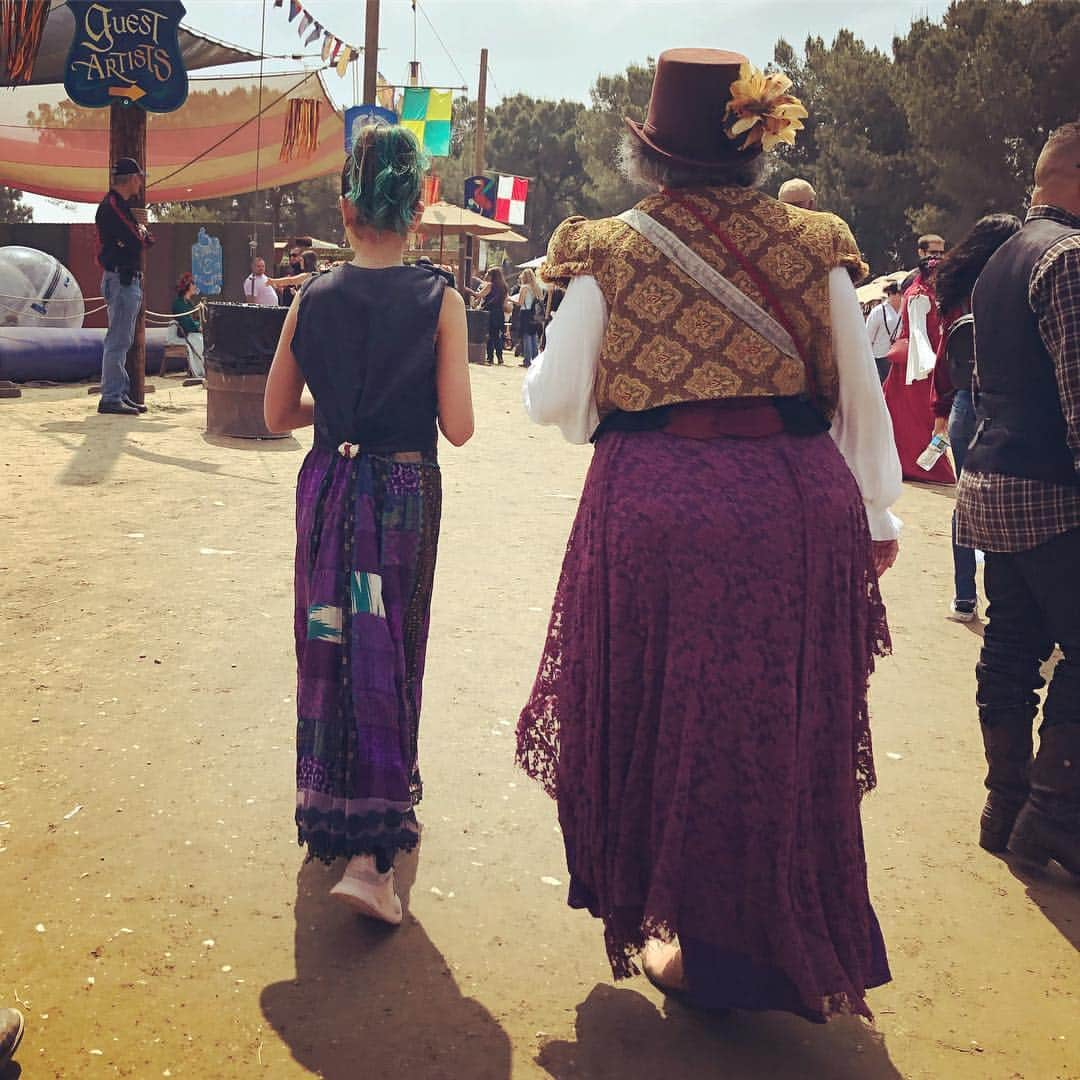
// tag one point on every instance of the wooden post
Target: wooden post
(371, 52)
(471, 245)
(127, 138)
(481, 110)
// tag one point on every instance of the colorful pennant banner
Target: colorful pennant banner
(427, 113)
(334, 51)
(510, 200)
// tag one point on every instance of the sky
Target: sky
(544, 48)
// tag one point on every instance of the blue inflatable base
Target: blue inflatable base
(30, 353)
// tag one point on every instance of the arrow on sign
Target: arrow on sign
(132, 93)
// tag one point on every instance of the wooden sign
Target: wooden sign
(126, 52)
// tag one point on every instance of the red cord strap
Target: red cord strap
(758, 279)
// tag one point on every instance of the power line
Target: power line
(441, 42)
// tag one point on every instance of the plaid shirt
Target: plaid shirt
(995, 512)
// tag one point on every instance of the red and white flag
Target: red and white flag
(510, 199)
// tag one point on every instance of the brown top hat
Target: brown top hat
(690, 93)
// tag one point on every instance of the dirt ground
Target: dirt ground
(156, 917)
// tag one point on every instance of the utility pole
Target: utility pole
(371, 52)
(127, 138)
(478, 164)
(481, 110)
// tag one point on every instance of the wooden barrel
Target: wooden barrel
(478, 335)
(240, 341)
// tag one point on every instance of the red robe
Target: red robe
(909, 406)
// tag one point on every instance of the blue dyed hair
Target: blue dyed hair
(383, 176)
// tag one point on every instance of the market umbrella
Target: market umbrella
(447, 217)
(533, 264)
(508, 236)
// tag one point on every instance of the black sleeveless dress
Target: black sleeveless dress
(368, 503)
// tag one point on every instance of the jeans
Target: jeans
(529, 347)
(123, 302)
(496, 329)
(1034, 603)
(882, 363)
(961, 432)
(195, 347)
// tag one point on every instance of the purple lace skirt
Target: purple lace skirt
(366, 537)
(700, 714)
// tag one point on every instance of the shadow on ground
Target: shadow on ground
(1056, 894)
(371, 1001)
(621, 1035)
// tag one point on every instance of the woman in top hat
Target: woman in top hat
(700, 713)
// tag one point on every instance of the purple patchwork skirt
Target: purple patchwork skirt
(700, 715)
(367, 530)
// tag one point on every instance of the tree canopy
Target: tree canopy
(942, 130)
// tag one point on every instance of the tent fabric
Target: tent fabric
(199, 50)
(211, 147)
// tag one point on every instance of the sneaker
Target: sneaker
(11, 1033)
(367, 891)
(964, 610)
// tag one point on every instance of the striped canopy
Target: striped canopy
(216, 144)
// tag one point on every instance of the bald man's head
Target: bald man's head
(798, 192)
(1057, 172)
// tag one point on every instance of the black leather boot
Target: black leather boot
(1008, 758)
(1048, 826)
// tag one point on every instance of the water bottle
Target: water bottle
(929, 457)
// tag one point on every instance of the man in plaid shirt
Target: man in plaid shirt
(1019, 500)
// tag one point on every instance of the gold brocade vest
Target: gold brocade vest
(668, 340)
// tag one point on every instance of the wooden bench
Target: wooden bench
(178, 351)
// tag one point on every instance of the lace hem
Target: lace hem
(330, 837)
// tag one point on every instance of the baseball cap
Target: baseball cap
(126, 166)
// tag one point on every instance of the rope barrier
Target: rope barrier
(53, 299)
(169, 318)
(53, 318)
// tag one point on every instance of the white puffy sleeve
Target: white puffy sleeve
(861, 427)
(559, 386)
(921, 356)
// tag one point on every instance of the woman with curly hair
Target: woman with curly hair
(187, 323)
(954, 407)
(382, 350)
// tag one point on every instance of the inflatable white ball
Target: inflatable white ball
(37, 290)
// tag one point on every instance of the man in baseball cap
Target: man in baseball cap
(121, 243)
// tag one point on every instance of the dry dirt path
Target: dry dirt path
(155, 915)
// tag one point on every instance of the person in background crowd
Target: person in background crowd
(928, 246)
(798, 192)
(257, 286)
(736, 509)
(12, 1026)
(189, 323)
(530, 305)
(1019, 501)
(121, 242)
(309, 267)
(382, 348)
(954, 409)
(443, 271)
(492, 296)
(882, 326)
(908, 384)
(290, 266)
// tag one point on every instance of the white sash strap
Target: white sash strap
(711, 280)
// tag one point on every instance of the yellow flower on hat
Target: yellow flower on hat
(761, 107)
